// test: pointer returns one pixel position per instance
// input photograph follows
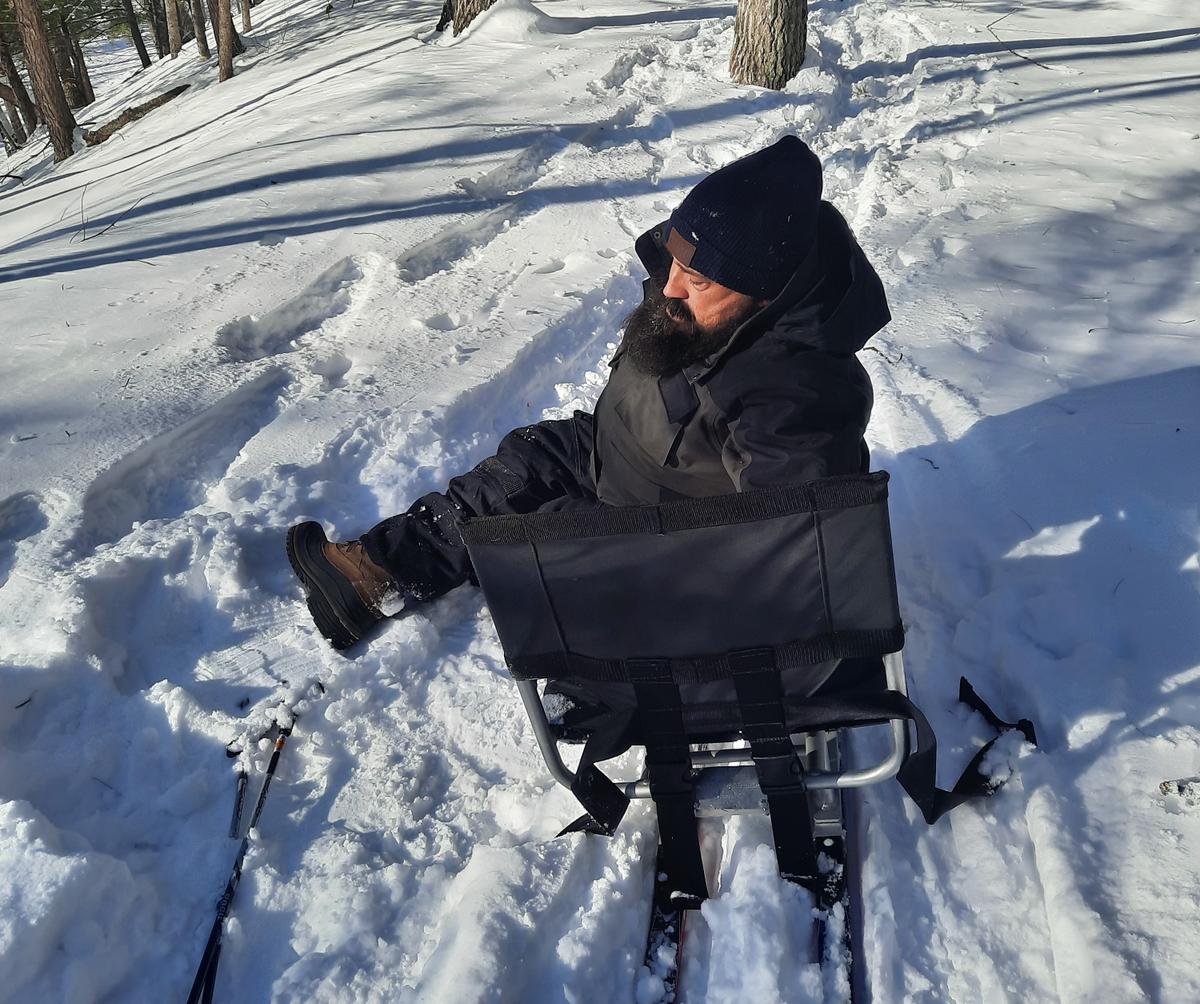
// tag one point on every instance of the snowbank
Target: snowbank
(72, 921)
(505, 21)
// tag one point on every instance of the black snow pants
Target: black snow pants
(537, 468)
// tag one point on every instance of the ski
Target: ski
(664, 940)
(833, 949)
(832, 945)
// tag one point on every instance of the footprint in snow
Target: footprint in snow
(444, 322)
(333, 368)
(21, 516)
(170, 473)
(248, 338)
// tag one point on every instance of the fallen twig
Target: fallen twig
(1023, 520)
(113, 223)
(82, 218)
(872, 348)
(1028, 59)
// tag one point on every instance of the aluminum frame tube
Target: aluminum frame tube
(884, 770)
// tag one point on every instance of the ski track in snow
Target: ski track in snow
(407, 851)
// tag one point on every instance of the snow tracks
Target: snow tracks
(408, 852)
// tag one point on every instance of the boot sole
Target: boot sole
(336, 608)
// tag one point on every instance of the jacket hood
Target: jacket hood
(834, 300)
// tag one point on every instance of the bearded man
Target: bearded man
(736, 372)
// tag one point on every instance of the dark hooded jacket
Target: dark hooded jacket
(782, 402)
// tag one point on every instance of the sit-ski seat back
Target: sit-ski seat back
(703, 620)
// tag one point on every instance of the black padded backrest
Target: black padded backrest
(804, 570)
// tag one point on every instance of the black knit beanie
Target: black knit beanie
(750, 224)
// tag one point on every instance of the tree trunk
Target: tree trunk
(19, 134)
(768, 42)
(198, 26)
(224, 40)
(135, 33)
(215, 16)
(8, 129)
(465, 11)
(20, 94)
(158, 24)
(245, 5)
(52, 102)
(61, 47)
(81, 71)
(174, 41)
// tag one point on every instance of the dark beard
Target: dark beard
(662, 336)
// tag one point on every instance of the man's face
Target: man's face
(708, 304)
(690, 319)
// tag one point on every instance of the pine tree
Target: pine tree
(60, 46)
(769, 37)
(158, 27)
(81, 70)
(198, 26)
(174, 36)
(135, 33)
(47, 88)
(10, 120)
(224, 40)
(214, 16)
(21, 96)
(8, 128)
(462, 13)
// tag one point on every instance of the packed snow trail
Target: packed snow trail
(370, 255)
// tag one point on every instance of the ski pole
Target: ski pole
(235, 823)
(206, 974)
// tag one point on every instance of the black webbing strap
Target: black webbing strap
(780, 772)
(672, 781)
(669, 765)
(966, 694)
(918, 775)
(604, 803)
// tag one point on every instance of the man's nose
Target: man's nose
(675, 288)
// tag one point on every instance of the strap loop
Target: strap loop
(672, 780)
(780, 772)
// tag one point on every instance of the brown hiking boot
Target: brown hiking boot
(370, 581)
(347, 592)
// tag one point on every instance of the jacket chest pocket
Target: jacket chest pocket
(655, 413)
(646, 425)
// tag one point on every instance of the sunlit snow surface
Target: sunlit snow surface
(335, 280)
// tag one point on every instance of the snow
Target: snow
(336, 280)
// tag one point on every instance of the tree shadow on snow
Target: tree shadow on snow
(1078, 602)
(317, 220)
(1067, 51)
